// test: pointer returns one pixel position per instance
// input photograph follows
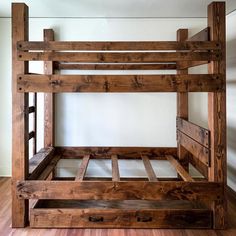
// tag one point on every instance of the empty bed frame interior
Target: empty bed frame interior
(116, 202)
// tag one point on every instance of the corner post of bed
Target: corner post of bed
(49, 123)
(217, 113)
(182, 102)
(20, 118)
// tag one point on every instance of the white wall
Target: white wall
(113, 119)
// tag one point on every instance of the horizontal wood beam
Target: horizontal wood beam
(180, 170)
(203, 35)
(119, 218)
(120, 83)
(99, 66)
(196, 132)
(199, 151)
(116, 46)
(82, 168)
(39, 162)
(118, 57)
(121, 152)
(110, 190)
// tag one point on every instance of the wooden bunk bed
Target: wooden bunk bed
(116, 202)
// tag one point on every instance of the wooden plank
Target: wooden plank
(20, 127)
(123, 190)
(182, 102)
(217, 112)
(202, 168)
(180, 170)
(39, 161)
(116, 45)
(196, 132)
(35, 123)
(82, 169)
(49, 168)
(117, 218)
(120, 83)
(123, 152)
(148, 167)
(188, 64)
(107, 66)
(119, 57)
(203, 35)
(115, 168)
(49, 99)
(200, 152)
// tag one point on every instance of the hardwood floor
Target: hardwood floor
(5, 223)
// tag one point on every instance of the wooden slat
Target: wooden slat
(119, 218)
(196, 132)
(203, 35)
(202, 168)
(35, 124)
(123, 152)
(180, 170)
(123, 190)
(82, 169)
(107, 66)
(119, 57)
(217, 113)
(20, 125)
(39, 162)
(49, 168)
(149, 170)
(49, 112)
(200, 152)
(117, 46)
(115, 168)
(31, 135)
(119, 83)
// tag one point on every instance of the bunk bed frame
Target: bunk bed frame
(116, 202)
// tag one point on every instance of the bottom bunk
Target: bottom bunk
(118, 201)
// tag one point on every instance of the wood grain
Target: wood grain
(82, 168)
(119, 83)
(149, 170)
(115, 168)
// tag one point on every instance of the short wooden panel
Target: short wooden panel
(82, 169)
(149, 170)
(123, 190)
(200, 152)
(115, 168)
(194, 131)
(117, 46)
(119, 83)
(120, 57)
(203, 35)
(115, 218)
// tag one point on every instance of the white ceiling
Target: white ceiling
(109, 8)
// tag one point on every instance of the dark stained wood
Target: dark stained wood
(107, 66)
(20, 118)
(82, 169)
(122, 152)
(196, 132)
(203, 35)
(115, 168)
(217, 112)
(119, 57)
(182, 102)
(180, 170)
(35, 123)
(123, 190)
(200, 166)
(149, 170)
(117, 46)
(117, 218)
(39, 162)
(31, 109)
(31, 135)
(119, 83)
(49, 98)
(49, 168)
(200, 152)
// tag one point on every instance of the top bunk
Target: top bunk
(179, 55)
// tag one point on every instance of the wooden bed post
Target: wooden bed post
(48, 98)
(217, 112)
(182, 103)
(20, 129)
